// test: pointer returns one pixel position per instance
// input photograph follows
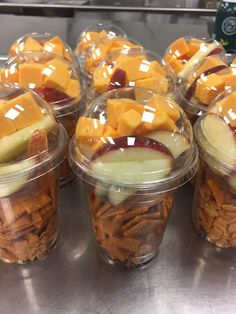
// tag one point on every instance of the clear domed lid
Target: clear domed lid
(42, 42)
(134, 137)
(134, 68)
(94, 33)
(185, 52)
(209, 78)
(32, 142)
(215, 133)
(48, 75)
(100, 49)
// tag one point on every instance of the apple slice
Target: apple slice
(118, 194)
(14, 144)
(177, 143)
(221, 137)
(132, 160)
(118, 79)
(200, 54)
(9, 188)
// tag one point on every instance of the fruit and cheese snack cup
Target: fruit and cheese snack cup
(185, 52)
(43, 42)
(32, 148)
(209, 78)
(214, 208)
(132, 68)
(94, 33)
(56, 81)
(101, 49)
(133, 148)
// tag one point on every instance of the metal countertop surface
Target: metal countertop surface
(189, 276)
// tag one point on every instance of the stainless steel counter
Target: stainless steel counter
(188, 276)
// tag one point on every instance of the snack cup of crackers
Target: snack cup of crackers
(94, 33)
(185, 52)
(56, 81)
(32, 148)
(210, 77)
(100, 49)
(43, 42)
(133, 148)
(214, 208)
(134, 68)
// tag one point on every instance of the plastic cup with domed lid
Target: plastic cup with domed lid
(132, 68)
(94, 33)
(133, 148)
(56, 81)
(210, 77)
(32, 149)
(214, 208)
(185, 52)
(100, 49)
(43, 42)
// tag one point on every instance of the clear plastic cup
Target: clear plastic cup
(94, 33)
(132, 160)
(134, 68)
(185, 52)
(210, 77)
(56, 81)
(43, 42)
(32, 148)
(101, 49)
(214, 207)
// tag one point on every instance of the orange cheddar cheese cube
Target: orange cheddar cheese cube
(179, 48)
(7, 126)
(158, 83)
(226, 108)
(73, 88)
(109, 132)
(193, 45)
(57, 49)
(89, 131)
(116, 107)
(175, 64)
(101, 78)
(56, 74)
(161, 103)
(128, 122)
(209, 87)
(67, 55)
(32, 44)
(31, 75)
(56, 40)
(229, 79)
(156, 67)
(22, 111)
(10, 75)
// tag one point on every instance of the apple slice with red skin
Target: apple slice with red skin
(132, 160)
(221, 138)
(176, 142)
(118, 79)
(52, 95)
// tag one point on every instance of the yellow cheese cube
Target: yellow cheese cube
(57, 74)
(73, 88)
(57, 49)
(158, 83)
(161, 103)
(128, 122)
(32, 44)
(7, 126)
(101, 78)
(209, 87)
(22, 111)
(31, 75)
(89, 131)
